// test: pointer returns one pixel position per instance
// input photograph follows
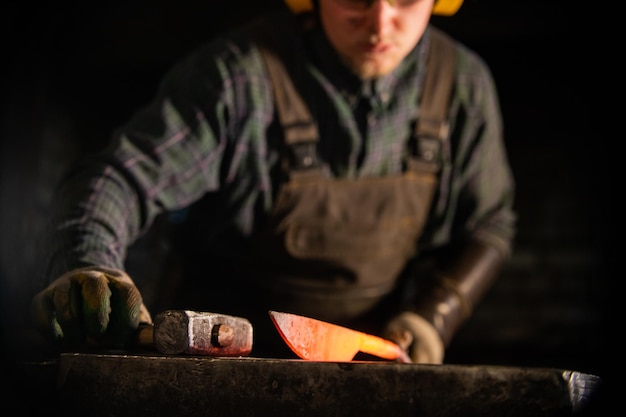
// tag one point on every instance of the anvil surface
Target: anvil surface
(113, 384)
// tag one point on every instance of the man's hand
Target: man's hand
(417, 337)
(95, 305)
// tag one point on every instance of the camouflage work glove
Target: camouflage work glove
(92, 305)
(417, 337)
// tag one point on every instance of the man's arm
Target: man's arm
(474, 216)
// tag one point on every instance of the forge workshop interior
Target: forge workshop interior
(74, 71)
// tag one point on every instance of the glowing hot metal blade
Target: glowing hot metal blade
(316, 340)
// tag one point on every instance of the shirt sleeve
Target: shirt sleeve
(475, 200)
(191, 139)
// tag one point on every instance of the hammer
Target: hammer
(197, 333)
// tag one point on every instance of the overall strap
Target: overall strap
(432, 126)
(299, 128)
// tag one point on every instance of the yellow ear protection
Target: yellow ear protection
(446, 7)
(441, 7)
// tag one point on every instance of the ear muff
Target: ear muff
(446, 7)
(300, 6)
(441, 7)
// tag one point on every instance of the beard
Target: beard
(373, 64)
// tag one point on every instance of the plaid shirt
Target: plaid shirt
(209, 146)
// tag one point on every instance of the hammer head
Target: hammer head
(201, 333)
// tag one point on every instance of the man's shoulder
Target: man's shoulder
(468, 60)
(281, 22)
(236, 49)
(238, 42)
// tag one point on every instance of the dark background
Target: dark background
(75, 71)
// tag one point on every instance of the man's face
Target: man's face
(373, 37)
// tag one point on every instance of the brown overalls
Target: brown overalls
(335, 248)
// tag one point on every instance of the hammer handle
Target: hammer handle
(144, 336)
